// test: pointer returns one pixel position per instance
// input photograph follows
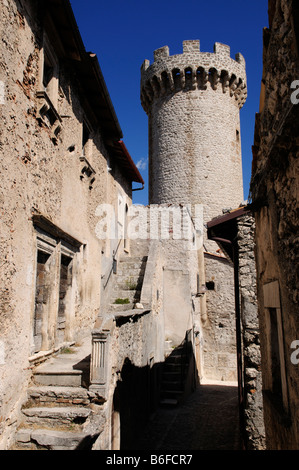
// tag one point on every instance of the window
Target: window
(50, 74)
(85, 140)
(275, 382)
(65, 286)
(48, 90)
(54, 299)
(210, 285)
(45, 271)
(41, 297)
(274, 353)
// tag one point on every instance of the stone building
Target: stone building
(234, 233)
(274, 188)
(90, 344)
(109, 309)
(193, 102)
(62, 157)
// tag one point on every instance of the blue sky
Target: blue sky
(125, 32)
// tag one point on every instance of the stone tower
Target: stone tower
(193, 103)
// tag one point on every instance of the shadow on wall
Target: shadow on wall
(142, 390)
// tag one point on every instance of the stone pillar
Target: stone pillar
(252, 375)
(99, 369)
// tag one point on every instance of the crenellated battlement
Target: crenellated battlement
(193, 70)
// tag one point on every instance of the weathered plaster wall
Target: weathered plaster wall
(274, 189)
(42, 174)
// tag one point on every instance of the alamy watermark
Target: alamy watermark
(152, 222)
(295, 94)
(2, 92)
(2, 353)
(295, 354)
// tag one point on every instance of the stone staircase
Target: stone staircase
(175, 370)
(58, 412)
(128, 283)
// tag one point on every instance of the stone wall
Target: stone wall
(251, 357)
(193, 102)
(274, 189)
(49, 195)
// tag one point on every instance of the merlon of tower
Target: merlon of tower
(193, 69)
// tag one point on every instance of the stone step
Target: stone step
(49, 439)
(52, 394)
(56, 415)
(127, 285)
(173, 367)
(169, 402)
(139, 248)
(126, 294)
(171, 391)
(133, 259)
(120, 307)
(126, 272)
(59, 378)
(175, 360)
(120, 291)
(132, 267)
(175, 385)
(65, 370)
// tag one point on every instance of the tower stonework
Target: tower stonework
(193, 103)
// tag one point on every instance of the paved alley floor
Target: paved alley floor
(207, 420)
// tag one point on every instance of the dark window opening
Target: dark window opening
(210, 285)
(85, 138)
(275, 356)
(48, 71)
(41, 298)
(64, 285)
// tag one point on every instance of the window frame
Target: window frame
(272, 307)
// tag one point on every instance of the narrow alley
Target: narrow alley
(207, 420)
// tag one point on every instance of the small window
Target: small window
(275, 354)
(41, 297)
(65, 284)
(86, 142)
(237, 135)
(210, 285)
(50, 72)
(275, 379)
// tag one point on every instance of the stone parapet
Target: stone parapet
(193, 69)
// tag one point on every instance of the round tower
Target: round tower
(193, 102)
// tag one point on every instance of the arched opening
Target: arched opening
(176, 74)
(165, 81)
(188, 77)
(156, 85)
(224, 78)
(201, 78)
(213, 78)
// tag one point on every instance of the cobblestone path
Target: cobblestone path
(207, 420)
